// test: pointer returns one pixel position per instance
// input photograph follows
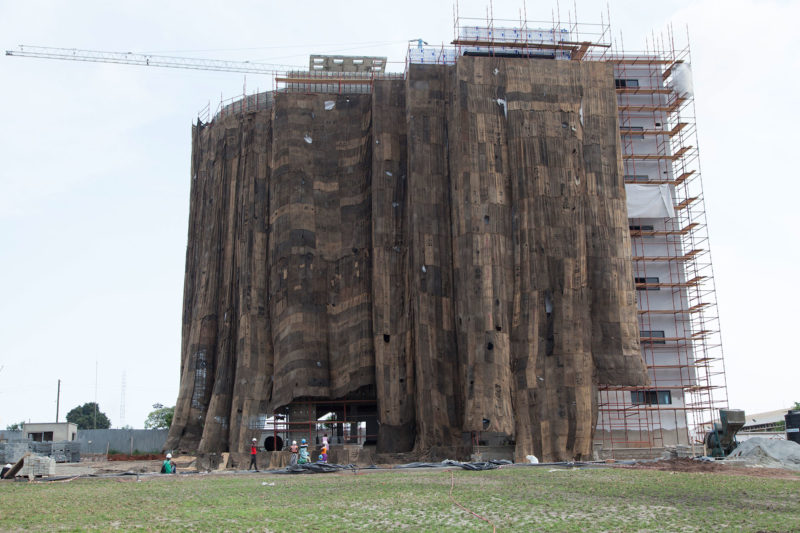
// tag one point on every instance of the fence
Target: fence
(122, 440)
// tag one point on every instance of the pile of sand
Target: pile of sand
(771, 453)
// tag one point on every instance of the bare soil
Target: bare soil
(704, 467)
(140, 457)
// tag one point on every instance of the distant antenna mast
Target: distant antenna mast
(96, 364)
(122, 400)
(58, 399)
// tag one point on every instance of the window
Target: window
(651, 397)
(652, 336)
(647, 281)
(45, 436)
(632, 129)
(641, 231)
(623, 83)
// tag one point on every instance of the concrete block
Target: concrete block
(37, 466)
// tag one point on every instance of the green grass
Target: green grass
(514, 499)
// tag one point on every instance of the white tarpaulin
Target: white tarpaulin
(682, 80)
(649, 201)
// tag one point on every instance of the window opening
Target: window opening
(643, 228)
(622, 83)
(634, 135)
(653, 336)
(651, 397)
(647, 281)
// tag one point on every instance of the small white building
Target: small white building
(50, 431)
(770, 424)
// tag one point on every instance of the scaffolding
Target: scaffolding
(678, 320)
(677, 308)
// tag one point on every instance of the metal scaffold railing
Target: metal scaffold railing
(678, 320)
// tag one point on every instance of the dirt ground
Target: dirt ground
(186, 464)
(692, 466)
(117, 466)
(143, 457)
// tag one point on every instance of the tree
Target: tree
(15, 427)
(84, 416)
(160, 417)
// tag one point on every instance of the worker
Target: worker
(323, 457)
(294, 449)
(168, 466)
(303, 452)
(253, 454)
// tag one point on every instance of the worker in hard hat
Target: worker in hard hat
(253, 454)
(304, 458)
(294, 449)
(168, 466)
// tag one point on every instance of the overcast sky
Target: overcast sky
(94, 175)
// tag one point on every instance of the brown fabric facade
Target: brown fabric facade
(454, 245)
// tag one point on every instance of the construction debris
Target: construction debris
(771, 453)
(38, 466)
(60, 451)
(16, 468)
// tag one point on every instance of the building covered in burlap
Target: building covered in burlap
(454, 246)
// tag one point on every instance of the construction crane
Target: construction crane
(370, 67)
(145, 60)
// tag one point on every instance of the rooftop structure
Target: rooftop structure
(50, 431)
(368, 64)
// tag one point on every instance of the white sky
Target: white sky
(94, 175)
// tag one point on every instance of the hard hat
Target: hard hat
(302, 441)
(294, 442)
(169, 456)
(255, 439)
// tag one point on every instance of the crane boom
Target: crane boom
(147, 60)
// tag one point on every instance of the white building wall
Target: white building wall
(668, 361)
(60, 430)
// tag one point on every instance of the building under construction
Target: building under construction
(500, 251)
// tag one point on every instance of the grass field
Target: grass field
(513, 499)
